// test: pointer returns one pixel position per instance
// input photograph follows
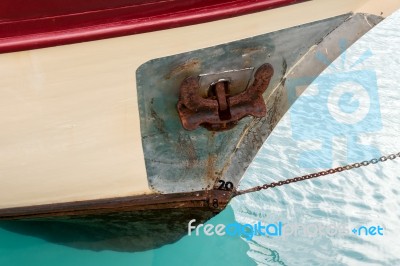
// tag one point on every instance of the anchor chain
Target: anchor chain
(318, 174)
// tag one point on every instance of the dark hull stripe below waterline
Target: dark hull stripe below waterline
(212, 200)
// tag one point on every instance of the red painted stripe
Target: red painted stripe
(31, 24)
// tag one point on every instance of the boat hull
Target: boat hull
(91, 129)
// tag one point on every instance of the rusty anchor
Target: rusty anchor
(220, 110)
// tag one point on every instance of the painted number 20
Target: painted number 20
(225, 185)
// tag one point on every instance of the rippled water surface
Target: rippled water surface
(329, 127)
(349, 114)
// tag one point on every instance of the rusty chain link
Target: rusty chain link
(318, 174)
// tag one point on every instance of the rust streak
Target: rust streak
(190, 65)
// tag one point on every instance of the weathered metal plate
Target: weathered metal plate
(178, 160)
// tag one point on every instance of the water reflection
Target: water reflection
(367, 196)
(123, 232)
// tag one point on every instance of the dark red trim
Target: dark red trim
(31, 24)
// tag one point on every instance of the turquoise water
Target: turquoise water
(17, 249)
(327, 126)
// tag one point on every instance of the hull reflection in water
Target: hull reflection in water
(125, 231)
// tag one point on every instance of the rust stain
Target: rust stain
(185, 146)
(210, 166)
(190, 65)
(212, 174)
(273, 112)
(283, 72)
(158, 122)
